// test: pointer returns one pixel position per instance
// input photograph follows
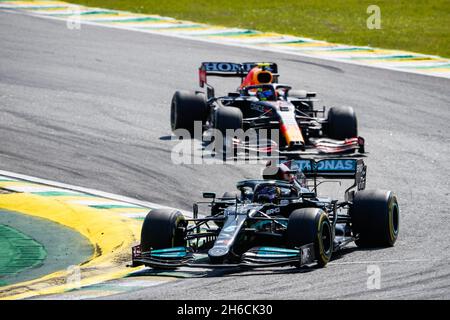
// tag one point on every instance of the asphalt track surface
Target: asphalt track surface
(90, 107)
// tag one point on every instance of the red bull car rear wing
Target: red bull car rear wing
(234, 70)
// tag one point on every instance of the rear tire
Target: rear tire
(304, 106)
(186, 108)
(375, 217)
(301, 94)
(160, 230)
(342, 123)
(231, 195)
(311, 225)
(227, 118)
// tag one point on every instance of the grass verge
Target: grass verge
(413, 25)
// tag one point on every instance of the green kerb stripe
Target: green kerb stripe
(446, 66)
(98, 12)
(175, 26)
(41, 7)
(229, 33)
(350, 49)
(88, 13)
(292, 42)
(59, 193)
(133, 19)
(399, 57)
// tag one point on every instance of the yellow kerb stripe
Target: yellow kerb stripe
(111, 234)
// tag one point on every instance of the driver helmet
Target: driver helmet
(265, 94)
(268, 194)
(280, 172)
(283, 172)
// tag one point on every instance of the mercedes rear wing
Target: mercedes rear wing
(234, 70)
(342, 168)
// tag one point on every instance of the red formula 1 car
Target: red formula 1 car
(260, 102)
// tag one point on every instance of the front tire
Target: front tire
(161, 229)
(342, 123)
(375, 218)
(311, 225)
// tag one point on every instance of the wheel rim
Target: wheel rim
(395, 220)
(173, 116)
(326, 238)
(177, 235)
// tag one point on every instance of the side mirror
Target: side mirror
(209, 92)
(209, 195)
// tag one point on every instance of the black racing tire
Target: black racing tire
(375, 217)
(186, 108)
(226, 118)
(305, 105)
(160, 230)
(311, 225)
(301, 94)
(342, 123)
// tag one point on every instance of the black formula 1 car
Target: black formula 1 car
(276, 221)
(261, 102)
